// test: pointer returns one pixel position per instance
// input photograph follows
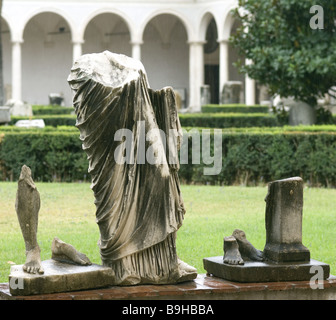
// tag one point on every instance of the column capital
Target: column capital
(78, 41)
(223, 41)
(136, 42)
(196, 42)
(17, 41)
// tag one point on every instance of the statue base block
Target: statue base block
(58, 277)
(267, 271)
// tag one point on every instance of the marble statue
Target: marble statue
(67, 253)
(139, 206)
(27, 207)
(238, 249)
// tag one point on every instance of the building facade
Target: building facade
(182, 43)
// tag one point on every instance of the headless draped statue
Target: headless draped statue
(139, 207)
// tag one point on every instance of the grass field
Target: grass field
(68, 212)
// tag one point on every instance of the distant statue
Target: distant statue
(139, 207)
(27, 207)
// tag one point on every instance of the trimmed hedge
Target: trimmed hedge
(49, 110)
(249, 157)
(50, 120)
(234, 108)
(228, 120)
(209, 120)
(52, 156)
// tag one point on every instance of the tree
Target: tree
(291, 44)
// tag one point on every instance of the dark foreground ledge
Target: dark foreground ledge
(203, 288)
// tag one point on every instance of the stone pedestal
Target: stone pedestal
(205, 95)
(5, 115)
(300, 113)
(284, 204)
(232, 92)
(285, 257)
(253, 271)
(58, 277)
(19, 108)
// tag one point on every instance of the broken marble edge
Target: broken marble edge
(252, 271)
(59, 277)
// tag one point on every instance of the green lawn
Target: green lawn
(68, 212)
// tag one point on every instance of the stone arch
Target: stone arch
(107, 31)
(54, 10)
(187, 25)
(120, 14)
(207, 17)
(165, 53)
(208, 34)
(229, 21)
(6, 58)
(47, 39)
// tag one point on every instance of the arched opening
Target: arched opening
(6, 59)
(211, 62)
(233, 84)
(165, 55)
(107, 31)
(234, 74)
(46, 58)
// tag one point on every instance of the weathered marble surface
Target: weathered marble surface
(284, 257)
(59, 277)
(139, 206)
(283, 219)
(264, 271)
(27, 206)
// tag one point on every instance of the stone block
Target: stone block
(232, 92)
(253, 271)
(59, 277)
(284, 204)
(5, 115)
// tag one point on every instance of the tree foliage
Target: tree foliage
(287, 55)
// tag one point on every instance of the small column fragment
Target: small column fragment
(284, 203)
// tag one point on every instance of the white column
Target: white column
(223, 64)
(196, 74)
(136, 50)
(249, 89)
(76, 49)
(16, 70)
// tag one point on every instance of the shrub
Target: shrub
(52, 156)
(48, 110)
(228, 120)
(234, 108)
(50, 120)
(267, 154)
(323, 116)
(249, 155)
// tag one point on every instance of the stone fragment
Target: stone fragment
(232, 92)
(36, 123)
(4, 115)
(67, 253)
(19, 108)
(265, 271)
(59, 277)
(139, 207)
(27, 206)
(284, 205)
